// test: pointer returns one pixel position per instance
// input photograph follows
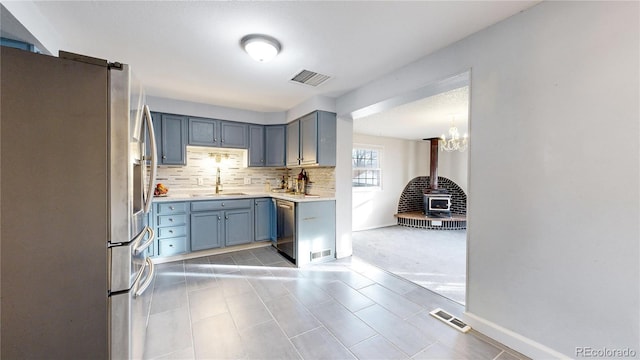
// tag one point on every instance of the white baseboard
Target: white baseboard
(512, 339)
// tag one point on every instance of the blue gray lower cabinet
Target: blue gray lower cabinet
(220, 223)
(186, 226)
(262, 223)
(238, 227)
(206, 230)
(170, 223)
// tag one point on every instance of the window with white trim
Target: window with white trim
(366, 162)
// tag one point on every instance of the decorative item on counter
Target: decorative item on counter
(302, 182)
(160, 190)
(283, 183)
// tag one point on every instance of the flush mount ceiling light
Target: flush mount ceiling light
(260, 47)
(454, 142)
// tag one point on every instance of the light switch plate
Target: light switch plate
(247, 181)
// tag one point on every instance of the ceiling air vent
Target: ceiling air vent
(310, 78)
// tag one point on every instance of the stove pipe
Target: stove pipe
(433, 163)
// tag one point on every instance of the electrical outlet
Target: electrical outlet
(199, 181)
(247, 181)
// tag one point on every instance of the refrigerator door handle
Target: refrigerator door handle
(144, 246)
(154, 160)
(142, 287)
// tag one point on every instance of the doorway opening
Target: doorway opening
(414, 246)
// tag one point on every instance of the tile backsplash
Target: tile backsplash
(202, 162)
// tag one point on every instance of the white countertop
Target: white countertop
(199, 196)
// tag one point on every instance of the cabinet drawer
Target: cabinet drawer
(173, 246)
(172, 231)
(220, 205)
(172, 220)
(171, 208)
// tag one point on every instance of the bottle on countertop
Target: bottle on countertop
(283, 183)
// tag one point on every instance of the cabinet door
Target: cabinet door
(275, 145)
(326, 155)
(204, 132)
(293, 143)
(238, 226)
(234, 135)
(262, 224)
(256, 145)
(309, 139)
(174, 130)
(206, 230)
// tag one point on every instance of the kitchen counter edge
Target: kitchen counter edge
(188, 197)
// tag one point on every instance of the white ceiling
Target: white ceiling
(421, 119)
(190, 50)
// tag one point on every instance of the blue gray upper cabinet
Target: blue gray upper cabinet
(275, 145)
(173, 135)
(311, 140)
(218, 133)
(293, 143)
(204, 132)
(256, 145)
(234, 135)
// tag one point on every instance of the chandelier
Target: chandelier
(454, 142)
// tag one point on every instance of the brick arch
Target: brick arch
(411, 199)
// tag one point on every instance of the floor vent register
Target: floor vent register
(320, 254)
(451, 320)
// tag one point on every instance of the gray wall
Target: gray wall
(554, 163)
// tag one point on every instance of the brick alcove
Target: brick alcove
(411, 206)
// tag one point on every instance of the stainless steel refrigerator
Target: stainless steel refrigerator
(75, 190)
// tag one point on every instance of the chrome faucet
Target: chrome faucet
(218, 182)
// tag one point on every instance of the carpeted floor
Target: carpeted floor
(434, 259)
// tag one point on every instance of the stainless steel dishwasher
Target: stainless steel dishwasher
(286, 228)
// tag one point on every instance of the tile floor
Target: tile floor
(253, 304)
(434, 259)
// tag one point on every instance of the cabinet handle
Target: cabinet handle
(226, 217)
(164, 156)
(170, 245)
(219, 218)
(215, 139)
(171, 219)
(222, 204)
(170, 231)
(171, 208)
